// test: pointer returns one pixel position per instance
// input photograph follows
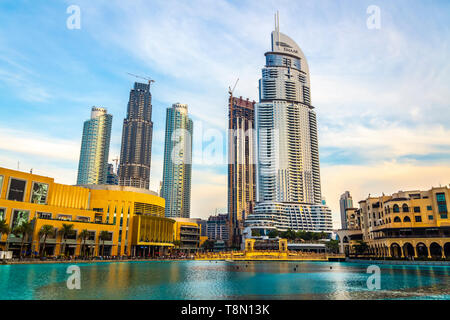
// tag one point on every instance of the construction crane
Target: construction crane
(150, 81)
(230, 91)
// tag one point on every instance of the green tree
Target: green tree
(273, 233)
(84, 234)
(104, 235)
(23, 230)
(46, 230)
(256, 233)
(208, 245)
(4, 229)
(333, 246)
(65, 231)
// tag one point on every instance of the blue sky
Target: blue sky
(382, 96)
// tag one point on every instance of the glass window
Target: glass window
(430, 217)
(442, 203)
(19, 217)
(39, 193)
(44, 215)
(1, 185)
(2, 214)
(444, 216)
(429, 208)
(16, 189)
(417, 209)
(91, 236)
(418, 218)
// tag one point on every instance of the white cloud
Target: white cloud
(39, 145)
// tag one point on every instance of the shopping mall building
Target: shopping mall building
(132, 219)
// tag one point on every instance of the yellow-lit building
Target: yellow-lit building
(134, 218)
(187, 232)
(407, 224)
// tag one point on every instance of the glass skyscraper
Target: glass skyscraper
(93, 165)
(176, 185)
(288, 174)
(136, 149)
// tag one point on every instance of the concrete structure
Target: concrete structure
(218, 227)
(412, 224)
(345, 202)
(132, 218)
(288, 174)
(187, 232)
(93, 164)
(136, 149)
(241, 165)
(176, 186)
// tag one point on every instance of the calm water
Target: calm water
(223, 280)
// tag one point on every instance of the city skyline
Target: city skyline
(381, 110)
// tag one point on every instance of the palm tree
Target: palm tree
(46, 230)
(66, 230)
(104, 235)
(23, 230)
(4, 229)
(84, 234)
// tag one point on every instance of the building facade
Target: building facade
(93, 164)
(133, 218)
(111, 177)
(136, 148)
(187, 232)
(288, 174)
(345, 202)
(406, 224)
(241, 165)
(176, 185)
(217, 227)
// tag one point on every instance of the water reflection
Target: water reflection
(223, 280)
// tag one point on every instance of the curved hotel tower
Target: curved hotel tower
(288, 174)
(176, 185)
(93, 165)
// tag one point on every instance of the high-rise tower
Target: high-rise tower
(176, 185)
(288, 174)
(136, 149)
(241, 164)
(345, 202)
(93, 165)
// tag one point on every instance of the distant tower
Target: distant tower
(241, 165)
(135, 153)
(176, 186)
(345, 203)
(93, 165)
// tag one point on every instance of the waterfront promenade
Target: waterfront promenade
(269, 255)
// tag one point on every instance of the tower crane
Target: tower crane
(230, 91)
(150, 81)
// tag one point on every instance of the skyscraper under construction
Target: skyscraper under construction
(241, 165)
(135, 153)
